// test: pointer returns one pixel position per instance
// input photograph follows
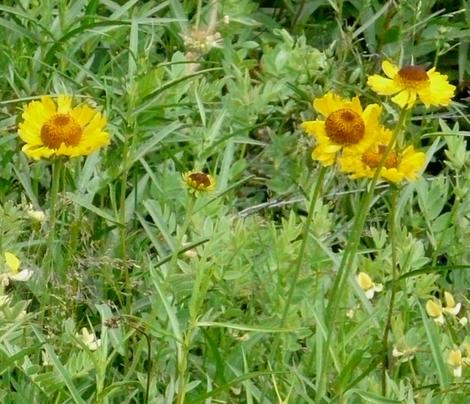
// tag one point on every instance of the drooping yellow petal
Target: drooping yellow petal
(389, 69)
(37, 153)
(314, 127)
(382, 85)
(402, 98)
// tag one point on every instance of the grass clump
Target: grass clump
(220, 201)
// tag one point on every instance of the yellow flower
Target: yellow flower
(346, 126)
(455, 361)
(410, 82)
(434, 310)
(12, 264)
(367, 285)
(89, 339)
(397, 166)
(451, 307)
(56, 129)
(199, 181)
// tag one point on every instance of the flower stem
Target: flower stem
(336, 294)
(194, 306)
(57, 169)
(300, 258)
(392, 224)
(184, 228)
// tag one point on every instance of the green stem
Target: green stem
(347, 259)
(298, 264)
(392, 224)
(300, 258)
(184, 229)
(57, 168)
(193, 309)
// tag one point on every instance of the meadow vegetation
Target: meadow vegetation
(234, 201)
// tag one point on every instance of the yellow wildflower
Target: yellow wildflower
(396, 167)
(56, 129)
(89, 339)
(199, 181)
(410, 82)
(434, 310)
(451, 307)
(367, 285)
(455, 361)
(346, 126)
(12, 264)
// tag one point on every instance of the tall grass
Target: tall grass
(247, 293)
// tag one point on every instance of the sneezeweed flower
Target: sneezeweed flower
(454, 359)
(56, 129)
(12, 265)
(199, 181)
(89, 339)
(367, 285)
(397, 166)
(346, 126)
(412, 82)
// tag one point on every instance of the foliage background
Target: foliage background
(231, 108)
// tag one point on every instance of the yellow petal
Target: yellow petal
(64, 104)
(382, 85)
(389, 69)
(455, 358)
(433, 309)
(12, 261)
(29, 134)
(314, 127)
(439, 92)
(402, 98)
(392, 175)
(364, 281)
(450, 302)
(355, 105)
(329, 103)
(83, 114)
(48, 105)
(37, 153)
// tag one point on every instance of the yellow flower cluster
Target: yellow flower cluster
(352, 136)
(356, 136)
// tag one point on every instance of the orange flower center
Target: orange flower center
(61, 128)
(201, 180)
(413, 77)
(372, 159)
(345, 126)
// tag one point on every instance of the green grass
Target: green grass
(247, 293)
